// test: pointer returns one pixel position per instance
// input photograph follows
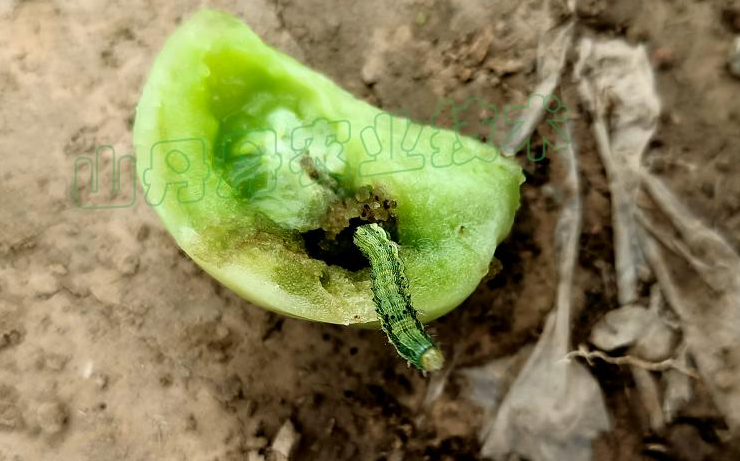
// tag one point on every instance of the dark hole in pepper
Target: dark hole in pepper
(341, 250)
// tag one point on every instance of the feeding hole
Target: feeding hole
(334, 243)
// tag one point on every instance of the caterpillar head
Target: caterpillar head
(367, 236)
(432, 359)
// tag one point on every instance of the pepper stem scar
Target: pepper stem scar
(397, 315)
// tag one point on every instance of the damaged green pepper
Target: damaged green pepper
(262, 169)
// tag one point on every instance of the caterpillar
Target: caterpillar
(397, 315)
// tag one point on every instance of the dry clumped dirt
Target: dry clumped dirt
(114, 345)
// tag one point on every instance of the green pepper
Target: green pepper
(261, 169)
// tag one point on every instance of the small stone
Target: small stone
(480, 46)
(733, 59)
(52, 417)
(222, 332)
(502, 67)
(464, 74)
(255, 455)
(256, 443)
(663, 58)
(284, 443)
(43, 284)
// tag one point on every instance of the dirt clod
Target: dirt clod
(52, 417)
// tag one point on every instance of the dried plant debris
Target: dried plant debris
(617, 85)
(647, 332)
(487, 385)
(551, 53)
(555, 407)
(651, 342)
(699, 273)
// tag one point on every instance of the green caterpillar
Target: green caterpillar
(392, 301)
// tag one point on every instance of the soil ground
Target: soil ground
(114, 345)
